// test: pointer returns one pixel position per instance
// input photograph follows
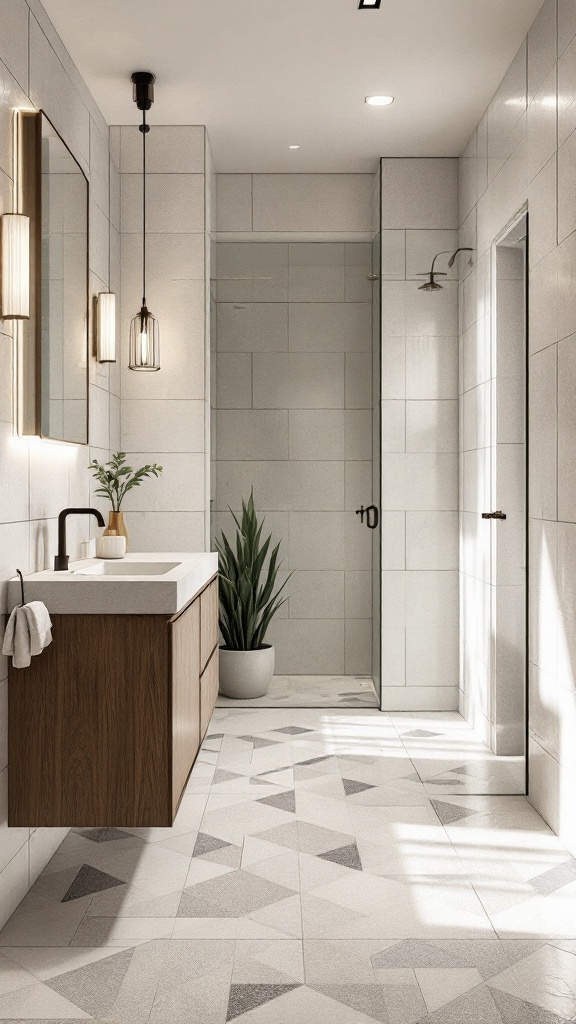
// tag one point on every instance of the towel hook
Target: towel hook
(21, 587)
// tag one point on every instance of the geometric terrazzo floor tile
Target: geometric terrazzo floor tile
(103, 835)
(518, 1011)
(475, 1007)
(347, 856)
(442, 986)
(207, 844)
(232, 895)
(221, 775)
(305, 837)
(416, 953)
(555, 878)
(88, 881)
(443, 781)
(351, 787)
(420, 733)
(293, 730)
(449, 813)
(367, 999)
(258, 741)
(94, 988)
(247, 997)
(283, 801)
(488, 956)
(314, 760)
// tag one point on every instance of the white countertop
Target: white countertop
(70, 593)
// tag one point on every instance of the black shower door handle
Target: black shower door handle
(372, 516)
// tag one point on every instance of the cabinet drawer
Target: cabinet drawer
(185, 697)
(208, 692)
(208, 622)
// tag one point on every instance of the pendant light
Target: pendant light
(144, 328)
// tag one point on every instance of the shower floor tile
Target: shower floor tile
(312, 692)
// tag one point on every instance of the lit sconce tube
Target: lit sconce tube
(106, 327)
(15, 303)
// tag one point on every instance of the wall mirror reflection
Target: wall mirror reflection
(54, 343)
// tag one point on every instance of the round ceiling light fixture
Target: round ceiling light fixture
(293, 147)
(379, 101)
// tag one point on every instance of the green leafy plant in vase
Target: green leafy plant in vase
(116, 479)
(249, 599)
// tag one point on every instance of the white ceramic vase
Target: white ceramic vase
(245, 675)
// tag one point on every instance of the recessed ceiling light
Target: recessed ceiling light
(379, 101)
(366, 5)
(293, 147)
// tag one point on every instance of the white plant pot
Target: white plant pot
(245, 675)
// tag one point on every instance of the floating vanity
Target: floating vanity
(105, 724)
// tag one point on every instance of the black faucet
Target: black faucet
(61, 559)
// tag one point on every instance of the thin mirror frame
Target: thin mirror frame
(28, 189)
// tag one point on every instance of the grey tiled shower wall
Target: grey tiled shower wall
(293, 420)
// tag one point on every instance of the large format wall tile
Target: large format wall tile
(420, 193)
(170, 149)
(312, 202)
(298, 380)
(234, 202)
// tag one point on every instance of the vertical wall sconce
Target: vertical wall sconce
(106, 327)
(15, 296)
(144, 328)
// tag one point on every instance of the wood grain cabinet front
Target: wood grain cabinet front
(105, 725)
(208, 692)
(208, 623)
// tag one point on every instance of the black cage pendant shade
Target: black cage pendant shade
(144, 328)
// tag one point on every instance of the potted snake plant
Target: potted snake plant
(249, 599)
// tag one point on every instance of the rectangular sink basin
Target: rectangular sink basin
(128, 569)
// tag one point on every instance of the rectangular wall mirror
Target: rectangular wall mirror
(53, 349)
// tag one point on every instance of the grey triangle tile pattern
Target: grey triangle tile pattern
(351, 786)
(88, 881)
(311, 877)
(366, 999)
(518, 1011)
(247, 997)
(348, 856)
(417, 733)
(94, 988)
(283, 801)
(103, 835)
(207, 844)
(554, 879)
(449, 813)
(231, 895)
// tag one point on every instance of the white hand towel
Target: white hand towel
(28, 632)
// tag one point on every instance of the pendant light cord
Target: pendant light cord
(144, 129)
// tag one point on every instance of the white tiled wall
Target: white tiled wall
(419, 438)
(294, 399)
(39, 478)
(164, 414)
(516, 155)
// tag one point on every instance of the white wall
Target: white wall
(522, 151)
(164, 414)
(38, 479)
(419, 394)
(294, 398)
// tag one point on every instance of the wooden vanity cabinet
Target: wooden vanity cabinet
(105, 725)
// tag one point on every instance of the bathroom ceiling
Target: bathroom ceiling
(267, 74)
